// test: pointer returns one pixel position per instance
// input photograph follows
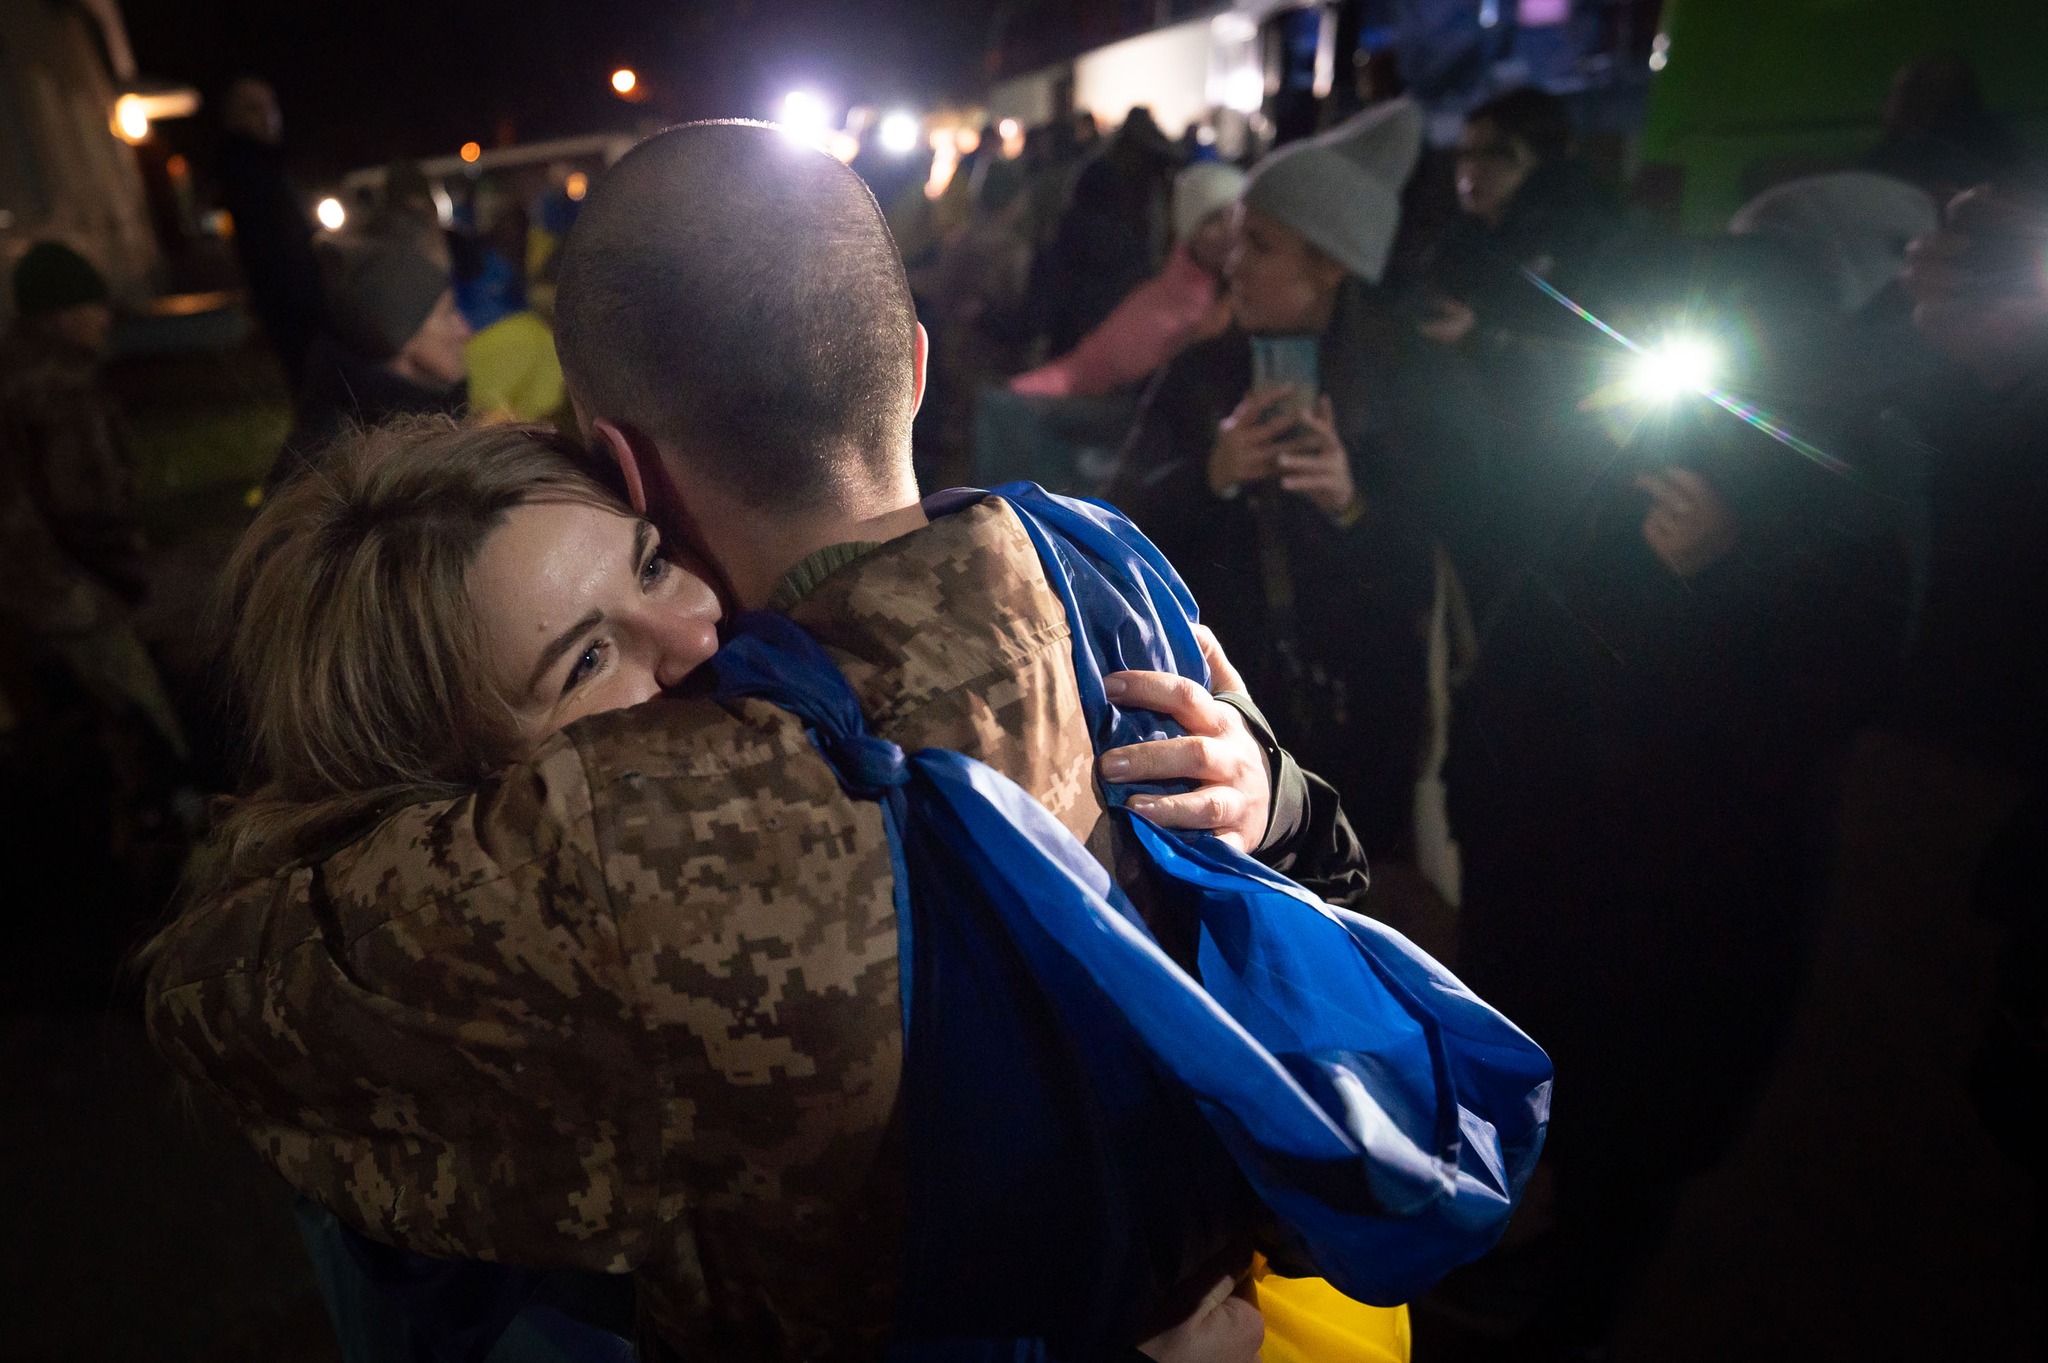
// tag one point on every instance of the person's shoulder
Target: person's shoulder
(957, 601)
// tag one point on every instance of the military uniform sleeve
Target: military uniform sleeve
(433, 1032)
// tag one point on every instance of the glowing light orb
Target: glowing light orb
(471, 151)
(576, 186)
(624, 81)
(900, 133)
(331, 214)
(804, 117)
(131, 118)
(1245, 90)
(1673, 368)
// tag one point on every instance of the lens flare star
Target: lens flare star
(1677, 366)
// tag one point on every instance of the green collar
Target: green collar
(800, 581)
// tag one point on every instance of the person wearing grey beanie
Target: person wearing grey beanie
(1342, 191)
(398, 347)
(1261, 466)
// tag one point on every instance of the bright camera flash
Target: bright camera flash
(1673, 368)
(331, 214)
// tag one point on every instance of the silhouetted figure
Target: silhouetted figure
(273, 237)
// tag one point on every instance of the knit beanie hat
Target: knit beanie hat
(1385, 140)
(1202, 189)
(387, 292)
(53, 277)
(1332, 200)
(1853, 225)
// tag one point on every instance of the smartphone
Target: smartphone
(1293, 360)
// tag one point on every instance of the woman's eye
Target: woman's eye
(585, 668)
(656, 569)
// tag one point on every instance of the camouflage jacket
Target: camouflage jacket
(63, 462)
(633, 1005)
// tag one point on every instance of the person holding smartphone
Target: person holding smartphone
(1262, 465)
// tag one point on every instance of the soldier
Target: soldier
(91, 742)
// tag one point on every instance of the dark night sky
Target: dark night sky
(365, 80)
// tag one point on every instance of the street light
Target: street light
(471, 151)
(624, 81)
(899, 133)
(131, 118)
(331, 214)
(576, 186)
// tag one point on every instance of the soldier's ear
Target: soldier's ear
(624, 452)
(920, 360)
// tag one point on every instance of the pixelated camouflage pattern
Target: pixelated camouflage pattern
(633, 1006)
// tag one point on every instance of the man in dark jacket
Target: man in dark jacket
(398, 348)
(273, 238)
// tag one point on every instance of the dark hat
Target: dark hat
(53, 277)
(388, 291)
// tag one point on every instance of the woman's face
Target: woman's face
(1491, 169)
(1279, 283)
(580, 614)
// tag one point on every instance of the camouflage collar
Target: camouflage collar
(799, 581)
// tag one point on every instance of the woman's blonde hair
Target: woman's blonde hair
(355, 664)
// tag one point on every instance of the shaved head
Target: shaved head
(737, 297)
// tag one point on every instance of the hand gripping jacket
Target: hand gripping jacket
(1071, 1091)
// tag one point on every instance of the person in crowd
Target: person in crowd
(1694, 623)
(1160, 318)
(788, 478)
(1526, 204)
(1112, 236)
(400, 348)
(405, 214)
(513, 371)
(1978, 667)
(1937, 132)
(1503, 364)
(1980, 653)
(91, 747)
(1062, 425)
(1261, 463)
(273, 236)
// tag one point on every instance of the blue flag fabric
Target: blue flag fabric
(1056, 1056)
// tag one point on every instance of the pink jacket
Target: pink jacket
(1156, 321)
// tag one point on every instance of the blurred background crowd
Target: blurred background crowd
(1612, 439)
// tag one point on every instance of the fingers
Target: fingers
(1178, 698)
(1211, 809)
(1238, 1330)
(1195, 757)
(1267, 406)
(1223, 674)
(1224, 1328)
